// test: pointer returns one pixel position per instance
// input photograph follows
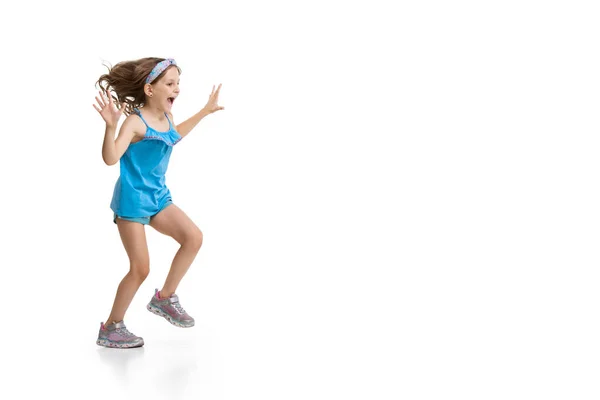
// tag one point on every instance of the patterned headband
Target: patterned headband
(159, 68)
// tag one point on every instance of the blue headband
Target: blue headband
(159, 68)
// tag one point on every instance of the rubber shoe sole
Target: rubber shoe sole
(166, 316)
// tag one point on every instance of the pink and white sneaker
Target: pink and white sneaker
(116, 335)
(171, 310)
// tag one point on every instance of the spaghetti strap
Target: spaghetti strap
(139, 113)
(169, 119)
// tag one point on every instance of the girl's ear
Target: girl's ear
(148, 89)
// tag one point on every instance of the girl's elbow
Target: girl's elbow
(109, 161)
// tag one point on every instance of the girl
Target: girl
(146, 89)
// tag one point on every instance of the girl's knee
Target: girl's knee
(140, 270)
(194, 239)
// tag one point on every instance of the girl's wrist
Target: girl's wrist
(204, 112)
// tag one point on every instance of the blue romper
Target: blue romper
(140, 190)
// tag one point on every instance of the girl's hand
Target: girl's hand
(212, 104)
(108, 111)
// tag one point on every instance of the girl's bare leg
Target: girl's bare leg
(133, 237)
(173, 222)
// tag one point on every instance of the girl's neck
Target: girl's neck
(153, 112)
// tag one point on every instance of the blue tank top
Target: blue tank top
(140, 190)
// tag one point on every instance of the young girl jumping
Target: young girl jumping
(146, 89)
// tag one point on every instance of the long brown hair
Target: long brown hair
(127, 79)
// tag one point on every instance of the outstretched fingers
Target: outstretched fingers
(110, 98)
(101, 100)
(217, 97)
(215, 94)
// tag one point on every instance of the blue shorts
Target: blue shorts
(141, 220)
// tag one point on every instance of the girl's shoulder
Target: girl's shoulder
(137, 125)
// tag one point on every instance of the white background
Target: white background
(399, 201)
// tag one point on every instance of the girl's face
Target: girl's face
(166, 89)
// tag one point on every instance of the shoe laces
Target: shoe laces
(178, 307)
(124, 332)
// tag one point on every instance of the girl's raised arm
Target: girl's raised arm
(112, 149)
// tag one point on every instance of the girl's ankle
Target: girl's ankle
(163, 297)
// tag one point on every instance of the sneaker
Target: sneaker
(171, 310)
(117, 335)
